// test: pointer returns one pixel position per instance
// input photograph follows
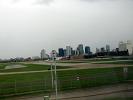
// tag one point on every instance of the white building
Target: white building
(35, 57)
(129, 47)
(43, 54)
(54, 53)
(124, 46)
(68, 51)
(107, 48)
(97, 50)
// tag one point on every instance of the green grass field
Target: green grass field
(100, 61)
(73, 62)
(30, 67)
(130, 62)
(3, 65)
(72, 79)
(85, 60)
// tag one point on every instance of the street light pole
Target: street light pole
(55, 73)
(56, 87)
(52, 78)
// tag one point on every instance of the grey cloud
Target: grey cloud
(35, 1)
(26, 30)
(15, 1)
(44, 2)
(91, 0)
(97, 0)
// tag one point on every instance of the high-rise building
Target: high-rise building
(87, 50)
(102, 49)
(64, 52)
(107, 48)
(129, 47)
(97, 50)
(68, 51)
(43, 54)
(77, 52)
(73, 52)
(61, 52)
(124, 46)
(53, 54)
(80, 49)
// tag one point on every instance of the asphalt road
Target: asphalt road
(97, 93)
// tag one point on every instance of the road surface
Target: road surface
(97, 93)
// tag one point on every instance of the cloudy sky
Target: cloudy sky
(27, 26)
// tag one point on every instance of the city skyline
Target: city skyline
(27, 26)
(81, 49)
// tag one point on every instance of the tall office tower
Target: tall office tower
(68, 51)
(122, 46)
(61, 52)
(43, 54)
(54, 53)
(80, 49)
(77, 52)
(73, 52)
(107, 48)
(102, 49)
(64, 52)
(97, 50)
(129, 47)
(87, 50)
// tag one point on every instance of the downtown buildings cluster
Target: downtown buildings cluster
(124, 49)
(81, 52)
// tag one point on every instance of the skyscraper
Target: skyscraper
(64, 52)
(61, 52)
(53, 53)
(97, 50)
(73, 52)
(68, 51)
(87, 50)
(122, 46)
(129, 47)
(107, 48)
(77, 52)
(102, 49)
(43, 54)
(80, 49)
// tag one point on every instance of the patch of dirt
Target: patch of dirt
(14, 66)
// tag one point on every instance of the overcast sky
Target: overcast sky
(27, 26)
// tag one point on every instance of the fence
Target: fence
(64, 83)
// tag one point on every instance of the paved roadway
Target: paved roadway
(97, 93)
